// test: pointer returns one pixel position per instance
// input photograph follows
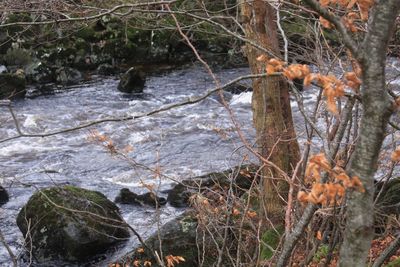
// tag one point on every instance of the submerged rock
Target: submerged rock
(3, 196)
(132, 81)
(127, 197)
(13, 85)
(70, 223)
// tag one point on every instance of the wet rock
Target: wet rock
(68, 76)
(238, 88)
(70, 223)
(243, 177)
(13, 85)
(179, 196)
(3, 196)
(132, 81)
(128, 197)
(106, 69)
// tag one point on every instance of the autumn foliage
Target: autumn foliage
(356, 10)
(333, 88)
(332, 192)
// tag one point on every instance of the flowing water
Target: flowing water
(182, 142)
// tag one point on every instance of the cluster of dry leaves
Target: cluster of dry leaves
(333, 88)
(396, 155)
(106, 142)
(332, 192)
(356, 10)
(170, 260)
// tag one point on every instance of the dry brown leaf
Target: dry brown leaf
(395, 155)
(325, 23)
(324, 3)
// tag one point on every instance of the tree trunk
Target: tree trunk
(272, 116)
(377, 110)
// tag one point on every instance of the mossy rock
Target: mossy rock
(178, 238)
(12, 86)
(70, 223)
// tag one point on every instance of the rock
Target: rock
(127, 197)
(12, 85)
(70, 223)
(132, 81)
(3, 69)
(68, 76)
(3, 196)
(238, 88)
(178, 238)
(38, 72)
(179, 195)
(106, 69)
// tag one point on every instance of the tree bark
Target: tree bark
(272, 116)
(377, 110)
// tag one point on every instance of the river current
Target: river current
(181, 143)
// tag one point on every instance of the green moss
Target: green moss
(321, 253)
(270, 240)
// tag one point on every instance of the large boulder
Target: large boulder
(3, 196)
(132, 81)
(13, 85)
(70, 223)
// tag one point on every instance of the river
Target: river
(183, 142)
